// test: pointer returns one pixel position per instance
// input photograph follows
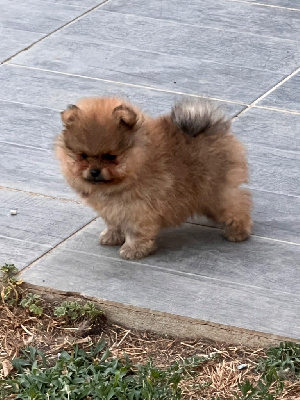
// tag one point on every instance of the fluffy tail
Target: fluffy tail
(195, 116)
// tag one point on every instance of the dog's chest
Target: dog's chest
(115, 209)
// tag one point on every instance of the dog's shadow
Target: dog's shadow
(190, 247)
(192, 242)
(202, 251)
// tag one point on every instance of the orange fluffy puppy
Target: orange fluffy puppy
(143, 174)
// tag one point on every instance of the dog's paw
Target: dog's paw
(136, 251)
(234, 235)
(111, 237)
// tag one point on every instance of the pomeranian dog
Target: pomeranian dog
(143, 174)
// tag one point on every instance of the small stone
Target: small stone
(13, 212)
(213, 354)
(242, 366)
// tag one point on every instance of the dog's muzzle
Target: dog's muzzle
(95, 176)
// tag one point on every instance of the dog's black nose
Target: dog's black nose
(95, 172)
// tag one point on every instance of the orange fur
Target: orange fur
(160, 176)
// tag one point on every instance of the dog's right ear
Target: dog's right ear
(126, 115)
(69, 115)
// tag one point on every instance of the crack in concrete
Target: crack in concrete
(261, 97)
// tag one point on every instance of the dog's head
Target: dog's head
(100, 144)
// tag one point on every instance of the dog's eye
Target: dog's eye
(109, 157)
(84, 156)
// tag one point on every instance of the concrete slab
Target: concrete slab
(276, 216)
(55, 90)
(30, 125)
(25, 22)
(268, 128)
(40, 224)
(286, 96)
(39, 219)
(13, 41)
(30, 16)
(35, 171)
(173, 38)
(187, 277)
(294, 4)
(219, 14)
(87, 4)
(274, 170)
(187, 74)
(272, 141)
(203, 251)
(20, 253)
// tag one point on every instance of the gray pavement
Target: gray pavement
(242, 54)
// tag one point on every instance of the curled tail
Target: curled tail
(196, 116)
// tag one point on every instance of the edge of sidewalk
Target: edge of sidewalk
(162, 323)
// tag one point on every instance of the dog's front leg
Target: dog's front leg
(111, 236)
(139, 243)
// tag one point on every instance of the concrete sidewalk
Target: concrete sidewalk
(242, 54)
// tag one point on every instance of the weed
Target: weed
(94, 375)
(9, 284)
(285, 359)
(10, 292)
(76, 312)
(33, 303)
(262, 389)
(8, 271)
(280, 362)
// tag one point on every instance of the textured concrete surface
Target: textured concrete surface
(173, 72)
(23, 23)
(40, 224)
(244, 55)
(167, 37)
(294, 4)
(186, 277)
(218, 14)
(286, 97)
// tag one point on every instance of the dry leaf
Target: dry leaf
(6, 367)
(84, 340)
(27, 340)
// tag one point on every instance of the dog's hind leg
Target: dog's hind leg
(235, 214)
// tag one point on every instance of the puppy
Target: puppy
(143, 174)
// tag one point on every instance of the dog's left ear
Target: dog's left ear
(126, 115)
(69, 115)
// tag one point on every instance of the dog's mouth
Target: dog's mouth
(98, 180)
